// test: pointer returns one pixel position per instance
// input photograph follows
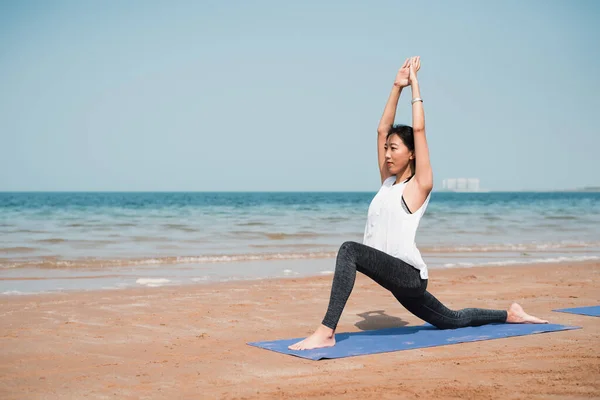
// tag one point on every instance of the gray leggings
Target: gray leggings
(405, 283)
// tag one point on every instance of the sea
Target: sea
(55, 242)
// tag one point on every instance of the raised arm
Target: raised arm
(423, 171)
(389, 114)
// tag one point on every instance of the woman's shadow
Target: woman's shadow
(379, 324)
(378, 319)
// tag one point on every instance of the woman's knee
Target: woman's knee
(348, 254)
(348, 248)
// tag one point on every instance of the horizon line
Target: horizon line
(585, 189)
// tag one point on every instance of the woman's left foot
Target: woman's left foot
(516, 315)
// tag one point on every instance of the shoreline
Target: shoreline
(189, 341)
(114, 279)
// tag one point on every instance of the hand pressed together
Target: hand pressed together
(408, 72)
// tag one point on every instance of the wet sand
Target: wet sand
(190, 341)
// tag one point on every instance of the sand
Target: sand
(190, 341)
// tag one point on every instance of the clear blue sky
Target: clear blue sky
(272, 95)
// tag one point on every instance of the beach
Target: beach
(190, 341)
(148, 250)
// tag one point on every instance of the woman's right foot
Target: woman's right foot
(516, 315)
(323, 337)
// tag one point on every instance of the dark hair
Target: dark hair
(405, 133)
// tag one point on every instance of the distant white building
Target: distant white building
(461, 184)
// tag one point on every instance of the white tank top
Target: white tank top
(391, 229)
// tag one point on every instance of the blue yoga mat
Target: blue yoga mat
(593, 311)
(406, 338)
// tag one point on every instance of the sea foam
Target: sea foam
(152, 282)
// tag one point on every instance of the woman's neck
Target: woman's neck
(404, 175)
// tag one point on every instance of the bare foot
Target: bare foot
(323, 337)
(516, 315)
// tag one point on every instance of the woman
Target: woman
(389, 255)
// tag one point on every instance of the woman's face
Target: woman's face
(397, 155)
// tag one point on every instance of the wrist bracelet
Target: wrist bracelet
(416, 99)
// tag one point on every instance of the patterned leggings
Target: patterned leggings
(405, 283)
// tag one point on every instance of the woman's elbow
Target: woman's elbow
(417, 129)
(383, 131)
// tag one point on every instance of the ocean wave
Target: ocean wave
(276, 235)
(25, 231)
(15, 293)
(482, 248)
(336, 219)
(17, 249)
(100, 263)
(299, 235)
(561, 217)
(286, 245)
(150, 239)
(152, 282)
(549, 260)
(244, 234)
(52, 240)
(180, 227)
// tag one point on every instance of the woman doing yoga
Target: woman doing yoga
(388, 254)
